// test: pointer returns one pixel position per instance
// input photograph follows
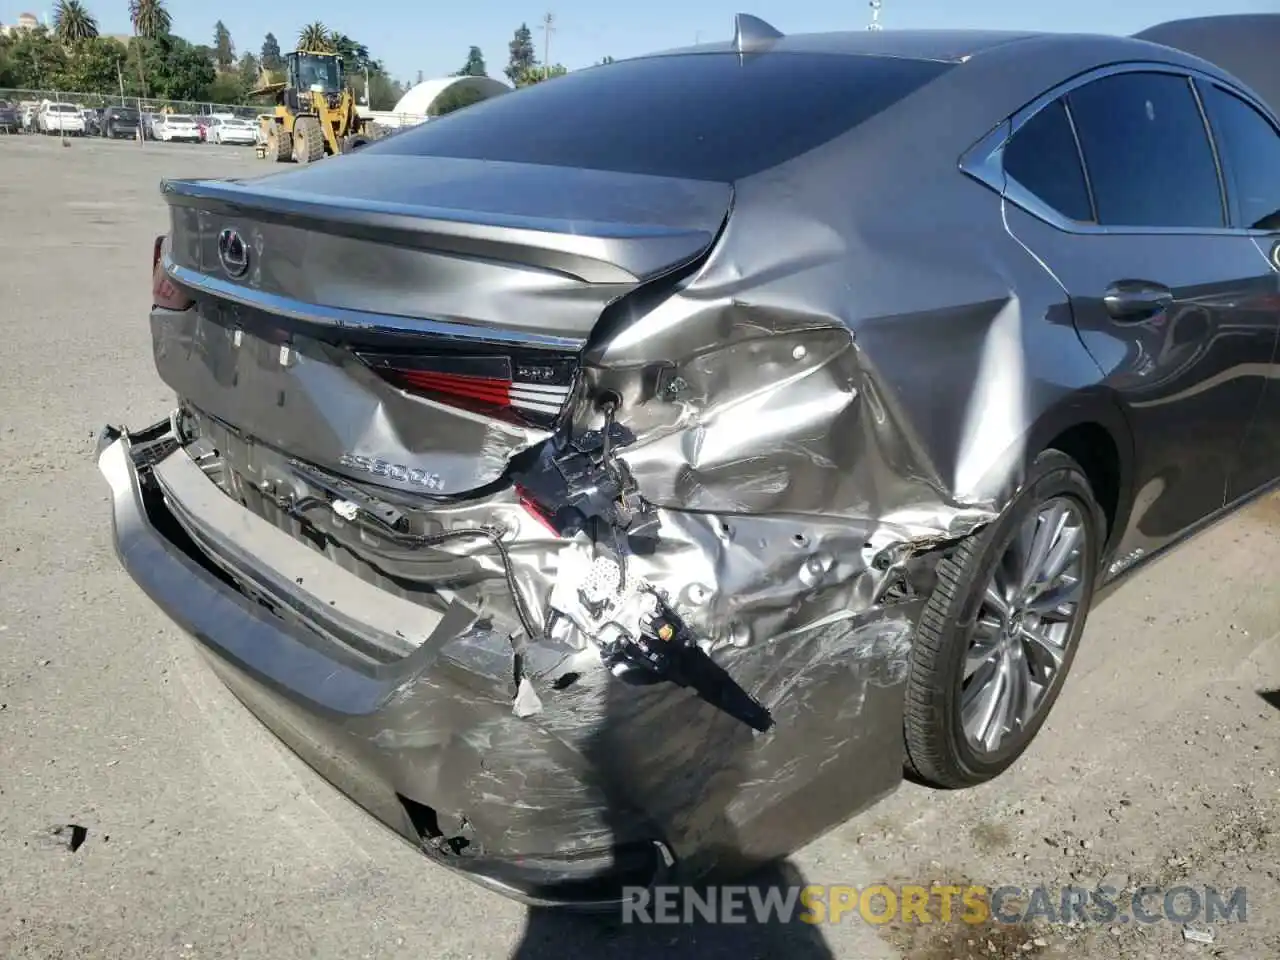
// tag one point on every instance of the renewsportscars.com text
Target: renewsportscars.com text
(939, 903)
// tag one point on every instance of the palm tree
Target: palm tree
(150, 18)
(151, 21)
(72, 22)
(315, 37)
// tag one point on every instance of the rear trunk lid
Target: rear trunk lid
(413, 322)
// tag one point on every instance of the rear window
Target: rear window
(699, 116)
(119, 114)
(179, 118)
(62, 108)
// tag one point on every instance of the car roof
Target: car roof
(948, 46)
(1016, 63)
(961, 46)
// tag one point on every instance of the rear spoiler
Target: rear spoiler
(1245, 45)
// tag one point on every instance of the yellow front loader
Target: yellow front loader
(315, 112)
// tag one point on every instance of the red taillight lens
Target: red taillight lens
(164, 292)
(522, 390)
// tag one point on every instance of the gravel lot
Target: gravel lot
(207, 839)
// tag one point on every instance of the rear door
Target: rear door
(1249, 147)
(1121, 197)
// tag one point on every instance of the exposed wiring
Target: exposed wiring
(610, 408)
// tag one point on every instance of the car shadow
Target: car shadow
(1271, 696)
(663, 781)
(555, 934)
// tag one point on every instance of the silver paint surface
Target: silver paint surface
(827, 390)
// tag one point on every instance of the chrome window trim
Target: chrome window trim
(1084, 167)
(345, 319)
(984, 161)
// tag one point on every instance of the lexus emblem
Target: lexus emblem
(233, 253)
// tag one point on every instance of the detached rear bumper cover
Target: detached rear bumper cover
(601, 788)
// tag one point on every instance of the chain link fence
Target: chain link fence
(28, 102)
(92, 101)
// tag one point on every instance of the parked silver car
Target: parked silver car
(632, 474)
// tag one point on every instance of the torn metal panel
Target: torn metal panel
(588, 781)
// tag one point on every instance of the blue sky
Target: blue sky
(411, 36)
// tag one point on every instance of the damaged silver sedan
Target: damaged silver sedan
(627, 477)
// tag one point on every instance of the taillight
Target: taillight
(164, 292)
(531, 389)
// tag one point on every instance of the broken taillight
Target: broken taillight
(164, 292)
(518, 389)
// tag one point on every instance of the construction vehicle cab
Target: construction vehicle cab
(315, 113)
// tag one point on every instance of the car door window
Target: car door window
(1148, 154)
(1043, 158)
(1250, 150)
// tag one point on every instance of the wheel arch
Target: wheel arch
(1091, 428)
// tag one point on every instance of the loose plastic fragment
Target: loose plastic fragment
(1198, 934)
(527, 703)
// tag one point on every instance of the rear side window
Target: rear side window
(713, 116)
(1044, 159)
(1147, 150)
(1250, 151)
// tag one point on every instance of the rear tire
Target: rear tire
(308, 140)
(953, 665)
(279, 144)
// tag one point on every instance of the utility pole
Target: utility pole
(548, 28)
(875, 15)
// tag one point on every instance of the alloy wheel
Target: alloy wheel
(1025, 621)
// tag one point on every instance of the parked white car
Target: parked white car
(232, 130)
(60, 118)
(177, 126)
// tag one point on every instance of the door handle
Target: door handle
(1134, 300)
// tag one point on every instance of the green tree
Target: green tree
(224, 50)
(174, 69)
(8, 72)
(270, 55)
(92, 67)
(150, 18)
(537, 74)
(522, 56)
(455, 98)
(248, 70)
(355, 55)
(35, 59)
(72, 22)
(315, 37)
(384, 93)
(474, 67)
(226, 88)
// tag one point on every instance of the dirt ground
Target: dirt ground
(205, 838)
